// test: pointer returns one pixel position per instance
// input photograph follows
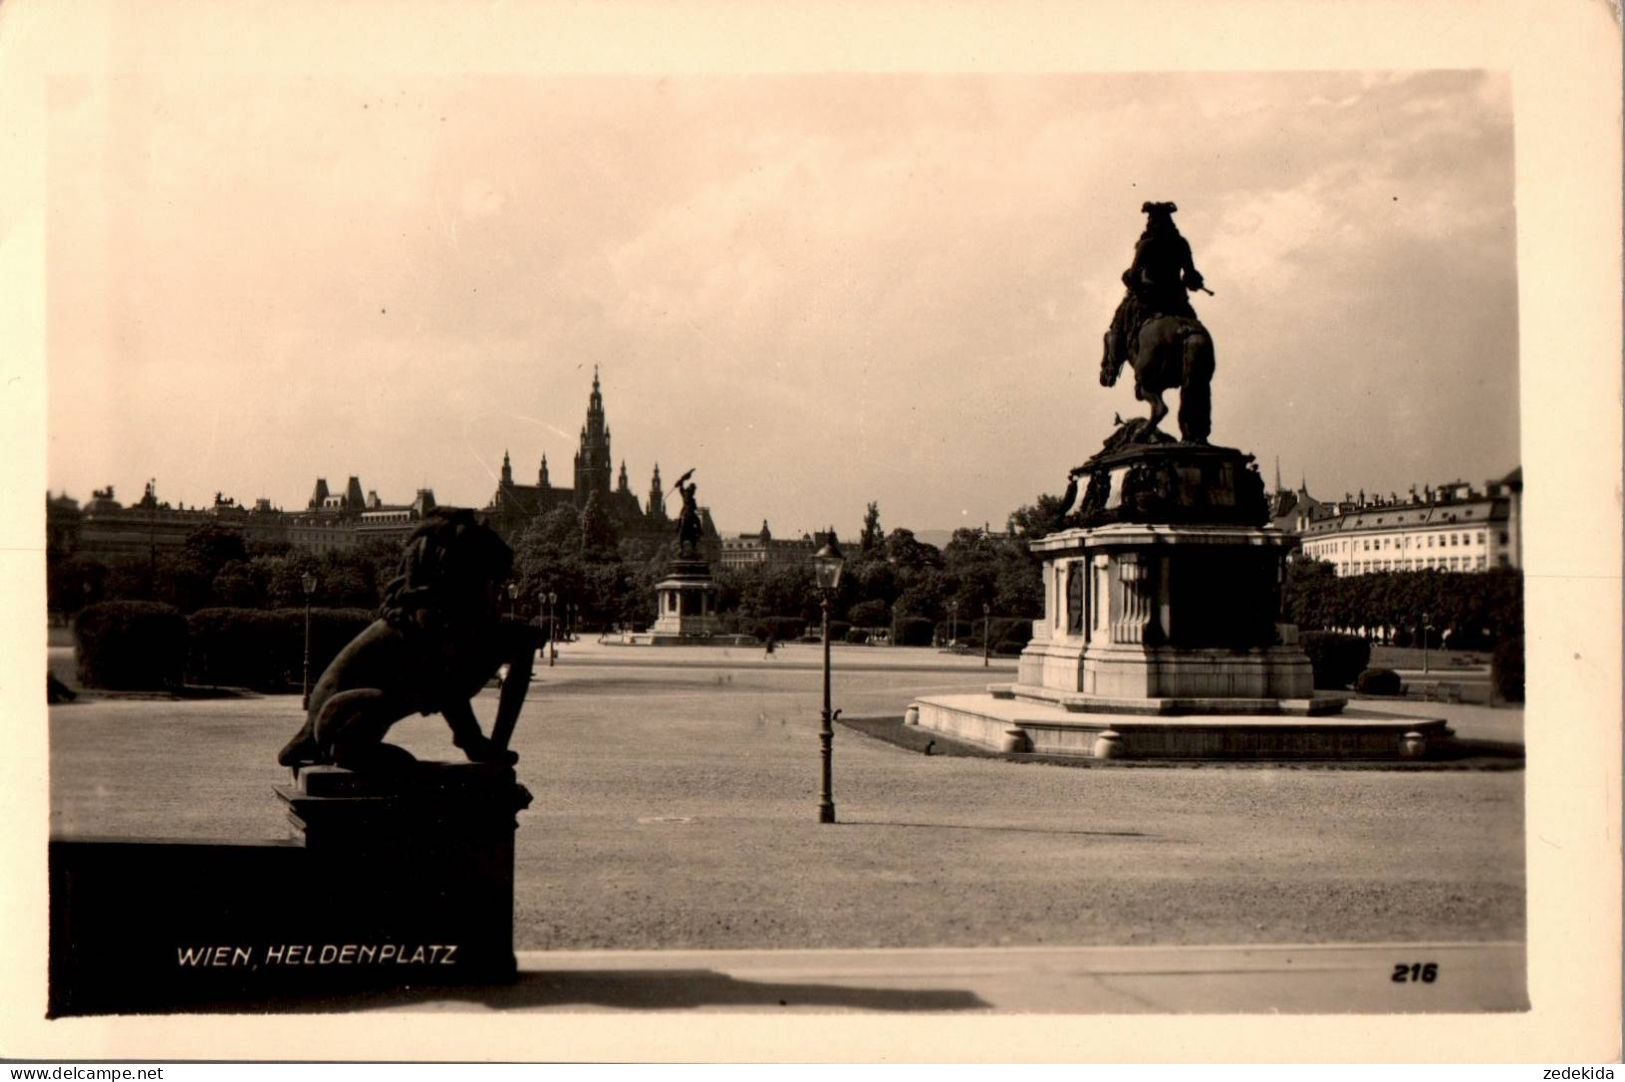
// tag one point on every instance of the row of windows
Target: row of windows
(1370, 544)
(1437, 563)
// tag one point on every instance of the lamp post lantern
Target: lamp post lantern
(987, 631)
(827, 563)
(309, 584)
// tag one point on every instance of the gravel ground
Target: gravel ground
(676, 807)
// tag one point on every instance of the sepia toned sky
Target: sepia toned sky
(818, 290)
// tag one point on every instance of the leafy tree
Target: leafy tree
(871, 613)
(1001, 572)
(872, 536)
(283, 576)
(73, 582)
(907, 554)
(598, 535)
(211, 546)
(237, 586)
(1035, 520)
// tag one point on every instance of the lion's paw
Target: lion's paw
(483, 751)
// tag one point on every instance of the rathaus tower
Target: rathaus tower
(593, 468)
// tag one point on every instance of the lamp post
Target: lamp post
(953, 622)
(309, 583)
(1426, 627)
(827, 563)
(513, 596)
(987, 632)
(552, 629)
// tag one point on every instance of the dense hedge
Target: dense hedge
(263, 650)
(1506, 670)
(914, 631)
(1009, 635)
(130, 645)
(1378, 682)
(1337, 659)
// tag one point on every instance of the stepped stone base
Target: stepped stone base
(1005, 723)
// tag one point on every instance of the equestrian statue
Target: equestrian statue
(1156, 331)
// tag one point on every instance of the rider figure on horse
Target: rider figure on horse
(1158, 282)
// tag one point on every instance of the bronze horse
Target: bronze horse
(1170, 352)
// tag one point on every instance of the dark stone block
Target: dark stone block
(386, 883)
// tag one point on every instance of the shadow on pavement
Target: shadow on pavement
(631, 989)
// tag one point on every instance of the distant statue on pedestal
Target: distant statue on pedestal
(1156, 330)
(689, 529)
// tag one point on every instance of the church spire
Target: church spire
(657, 496)
(593, 465)
(507, 469)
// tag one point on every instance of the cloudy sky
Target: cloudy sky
(818, 290)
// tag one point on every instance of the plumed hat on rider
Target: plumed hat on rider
(1158, 208)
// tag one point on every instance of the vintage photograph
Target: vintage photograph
(881, 543)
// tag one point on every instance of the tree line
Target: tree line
(600, 580)
(603, 581)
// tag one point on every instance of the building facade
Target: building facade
(105, 529)
(1450, 527)
(755, 549)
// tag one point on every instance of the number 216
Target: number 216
(1417, 971)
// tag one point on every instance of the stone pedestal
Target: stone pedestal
(1163, 616)
(383, 885)
(687, 603)
(1160, 636)
(423, 864)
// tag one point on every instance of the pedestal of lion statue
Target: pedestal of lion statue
(417, 867)
(385, 886)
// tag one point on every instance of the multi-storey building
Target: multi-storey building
(1451, 527)
(751, 549)
(105, 529)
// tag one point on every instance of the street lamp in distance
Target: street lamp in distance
(552, 629)
(987, 629)
(309, 584)
(513, 597)
(827, 564)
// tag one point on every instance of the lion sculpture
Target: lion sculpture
(440, 638)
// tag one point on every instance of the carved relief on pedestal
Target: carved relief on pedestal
(1134, 598)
